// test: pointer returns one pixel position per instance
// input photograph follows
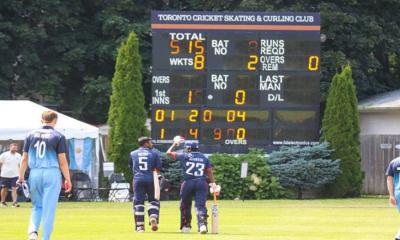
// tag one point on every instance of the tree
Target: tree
(63, 52)
(356, 33)
(127, 115)
(340, 126)
(33, 58)
(304, 167)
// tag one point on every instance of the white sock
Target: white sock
(398, 234)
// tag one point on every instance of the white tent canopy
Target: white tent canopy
(20, 117)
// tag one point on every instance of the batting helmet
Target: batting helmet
(192, 144)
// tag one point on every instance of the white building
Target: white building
(379, 137)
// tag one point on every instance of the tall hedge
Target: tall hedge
(341, 129)
(258, 185)
(126, 116)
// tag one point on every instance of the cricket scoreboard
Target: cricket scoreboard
(235, 80)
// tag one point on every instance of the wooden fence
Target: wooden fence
(376, 153)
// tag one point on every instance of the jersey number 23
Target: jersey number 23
(195, 169)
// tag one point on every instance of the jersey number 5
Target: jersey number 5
(198, 172)
(143, 163)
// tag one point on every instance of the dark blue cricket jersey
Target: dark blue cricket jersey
(143, 161)
(43, 146)
(193, 164)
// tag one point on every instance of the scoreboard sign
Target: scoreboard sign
(235, 80)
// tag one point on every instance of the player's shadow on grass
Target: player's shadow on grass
(225, 234)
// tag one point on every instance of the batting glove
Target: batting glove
(215, 188)
(178, 140)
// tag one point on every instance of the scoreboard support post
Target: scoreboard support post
(243, 176)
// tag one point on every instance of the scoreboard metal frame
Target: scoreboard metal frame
(235, 80)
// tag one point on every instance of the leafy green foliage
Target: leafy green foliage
(258, 185)
(303, 168)
(356, 33)
(127, 115)
(341, 129)
(63, 52)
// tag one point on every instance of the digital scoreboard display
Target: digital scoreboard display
(235, 80)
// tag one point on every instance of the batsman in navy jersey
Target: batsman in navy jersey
(195, 168)
(143, 162)
(44, 153)
(393, 185)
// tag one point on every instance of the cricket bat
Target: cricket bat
(156, 186)
(214, 215)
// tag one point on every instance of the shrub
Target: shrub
(258, 185)
(172, 174)
(304, 167)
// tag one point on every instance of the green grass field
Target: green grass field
(364, 218)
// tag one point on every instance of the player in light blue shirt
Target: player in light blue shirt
(393, 185)
(44, 153)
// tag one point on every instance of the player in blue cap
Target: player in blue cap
(143, 162)
(196, 168)
(393, 185)
(44, 153)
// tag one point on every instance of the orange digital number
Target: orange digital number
(199, 62)
(162, 133)
(313, 63)
(193, 115)
(173, 44)
(190, 96)
(252, 63)
(240, 97)
(199, 47)
(230, 116)
(194, 132)
(217, 133)
(190, 48)
(240, 133)
(172, 115)
(160, 115)
(241, 115)
(207, 115)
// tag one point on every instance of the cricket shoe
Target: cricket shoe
(140, 229)
(33, 236)
(3, 204)
(154, 225)
(203, 229)
(186, 229)
(15, 205)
